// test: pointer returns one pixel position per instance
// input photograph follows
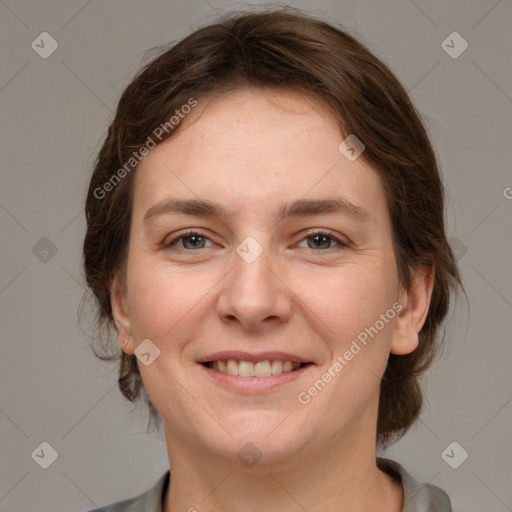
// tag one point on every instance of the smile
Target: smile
(242, 368)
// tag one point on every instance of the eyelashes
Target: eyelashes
(187, 235)
(198, 241)
(325, 235)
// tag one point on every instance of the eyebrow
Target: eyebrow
(298, 208)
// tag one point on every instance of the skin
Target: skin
(252, 151)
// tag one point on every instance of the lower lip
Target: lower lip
(255, 385)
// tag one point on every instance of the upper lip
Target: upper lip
(254, 357)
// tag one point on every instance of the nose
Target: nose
(254, 294)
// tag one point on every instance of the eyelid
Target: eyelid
(330, 234)
(176, 237)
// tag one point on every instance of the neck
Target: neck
(345, 478)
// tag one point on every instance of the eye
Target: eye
(189, 240)
(192, 240)
(323, 240)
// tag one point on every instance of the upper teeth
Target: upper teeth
(250, 369)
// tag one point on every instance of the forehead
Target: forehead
(252, 147)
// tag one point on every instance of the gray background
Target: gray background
(55, 112)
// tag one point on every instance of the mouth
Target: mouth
(259, 373)
(244, 368)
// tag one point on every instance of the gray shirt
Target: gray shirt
(417, 497)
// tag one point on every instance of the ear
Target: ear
(120, 314)
(416, 302)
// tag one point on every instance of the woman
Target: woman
(265, 231)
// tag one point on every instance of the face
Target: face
(261, 269)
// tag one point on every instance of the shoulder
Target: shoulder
(418, 497)
(149, 501)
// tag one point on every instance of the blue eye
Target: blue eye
(323, 240)
(197, 241)
(190, 240)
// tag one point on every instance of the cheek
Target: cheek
(346, 300)
(163, 301)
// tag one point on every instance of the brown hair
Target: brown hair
(284, 49)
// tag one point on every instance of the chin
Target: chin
(265, 438)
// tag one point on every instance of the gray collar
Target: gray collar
(418, 497)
